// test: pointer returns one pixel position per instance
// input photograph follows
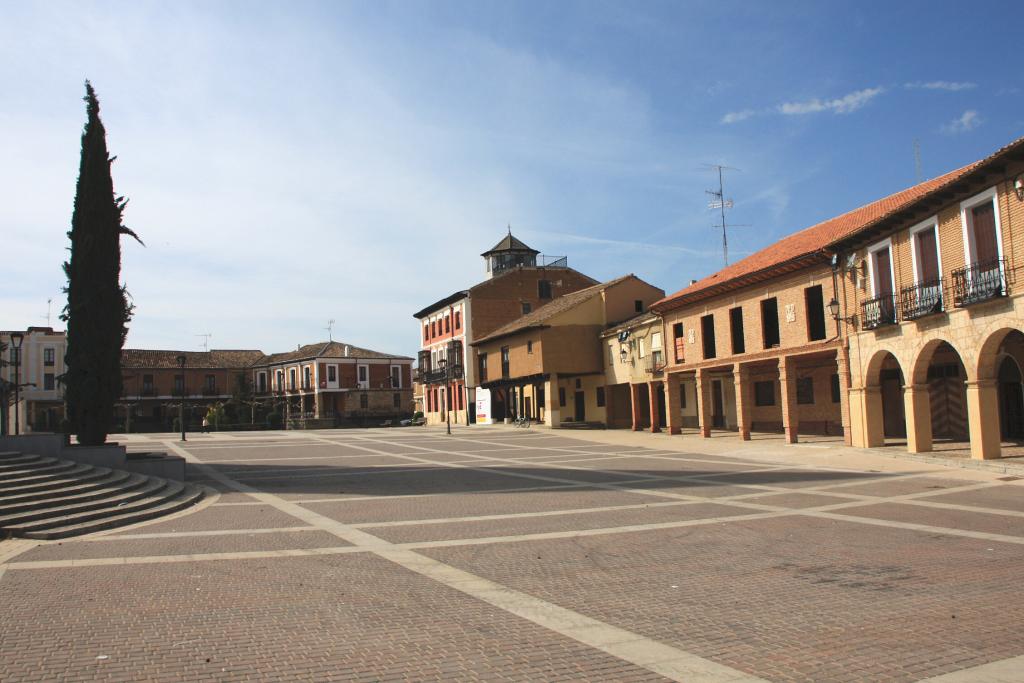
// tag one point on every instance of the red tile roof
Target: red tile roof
(538, 318)
(808, 245)
(146, 359)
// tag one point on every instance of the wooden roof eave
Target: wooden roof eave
(758, 276)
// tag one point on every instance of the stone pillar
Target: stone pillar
(673, 418)
(874, 422)
(552, 410)
(918, 409)
(744, 401)
(634, 398)
(787, 386)
(843, 368)
(652, 397)
(983, 418)
(704, 402)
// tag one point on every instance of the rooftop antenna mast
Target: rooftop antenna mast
(917, 160)
(330, 330)
(720, 202)
(206, 340)
(49, 306)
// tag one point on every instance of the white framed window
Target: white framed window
(642, 347)
(396, 376)
(332, 373)
(656, 341)
(363, 376)
(983, 234)
(925, 253)
(881, 272)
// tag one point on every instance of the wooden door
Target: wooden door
(717, 405)
(580, 407)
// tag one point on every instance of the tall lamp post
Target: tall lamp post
(181, 413)
(443, 362)
(16, 339)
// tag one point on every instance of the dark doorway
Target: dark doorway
(717, 405)
(661, 404)
(894, 425)
(1011, 400)
(580, 407)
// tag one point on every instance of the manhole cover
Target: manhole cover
(1011, 478)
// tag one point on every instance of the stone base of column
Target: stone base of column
(675, 430)
(745, 434)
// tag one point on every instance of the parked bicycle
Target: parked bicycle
(523, 421)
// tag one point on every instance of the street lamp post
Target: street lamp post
(443, 362)
(16, 339)
(181, 413)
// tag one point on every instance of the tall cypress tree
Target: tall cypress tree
(98, 311)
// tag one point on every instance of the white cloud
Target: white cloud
(840, 105)
(967, 121)
(735, 116)
(951, 86)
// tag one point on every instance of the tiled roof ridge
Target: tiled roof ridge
(554, 307)
(832, 231)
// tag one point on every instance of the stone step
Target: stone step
(80, 474)
(13, 464)
(7, 455)
(54, 479)
(187, 495)
(99, 478)
(34, 472)
(150, 487)
(120, 482)
(167, 491)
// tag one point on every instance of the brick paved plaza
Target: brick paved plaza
(506, 554)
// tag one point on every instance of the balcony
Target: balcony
(917, 301)
(979, 282)
(654, 364)
(878, 312)
(209, 391)
(148, 391)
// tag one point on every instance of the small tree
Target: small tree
(97, 312)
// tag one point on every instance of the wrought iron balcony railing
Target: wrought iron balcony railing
(878, 312)
(654, 364)
(209, 391)
(979, 282)
(148, 391)
(917, 301)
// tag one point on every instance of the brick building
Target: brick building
(634, 357)
(40, 366)
(519, 280)
(325, 382)
(154, 383)
(937, 351)
(548, 365)
(895, 321)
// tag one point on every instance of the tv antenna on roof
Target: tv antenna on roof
(206, 340)
(720, 202)
(917, 160)
(330, 330)
(49, 306)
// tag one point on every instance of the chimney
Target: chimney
(693, 282)
(346, 350)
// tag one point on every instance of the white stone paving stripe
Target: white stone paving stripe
(1003, 671)
(190, 534)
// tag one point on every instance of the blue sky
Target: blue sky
(289, 163)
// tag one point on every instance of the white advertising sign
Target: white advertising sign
(483, 406)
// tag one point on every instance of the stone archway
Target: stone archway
(991, 394)
(884, 413)
(936, 398)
